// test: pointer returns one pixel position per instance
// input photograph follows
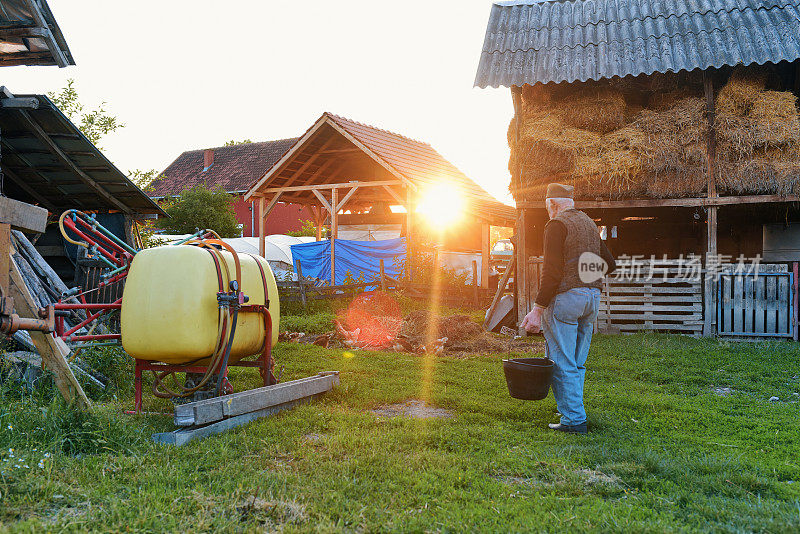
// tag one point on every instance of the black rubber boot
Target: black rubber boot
(571, 429)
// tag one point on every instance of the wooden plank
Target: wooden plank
(182, 436)
(323, 187)
(5, 258)
(211, 410)
(782, 306)
(22, 216)
(747, 323)
(501, 287)
(770, 321)
(669, 202)
(52, 45)
(346, 198)
(53, 351)
(709, 282)
(323, 201)
(759, 308)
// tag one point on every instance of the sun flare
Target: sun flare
(442, 205)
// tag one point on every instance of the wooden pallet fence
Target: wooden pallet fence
(661, 296)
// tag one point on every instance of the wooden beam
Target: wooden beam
(342, 185)
(5, 258)
(693, 202)
(709, 282)
(30, 190)
(53, 351)
(285, 158)
(334, 234)
(296, 174)
(85, 178)
(262, 246)
(371, 154)
(409, 225)
(55, 49)
(521, 276)
(485, 244)
(346, 198)
(22, 216)
(395, 195)
(323, 200)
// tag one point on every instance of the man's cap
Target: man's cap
(555, 190)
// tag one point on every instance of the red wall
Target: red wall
(283, 217)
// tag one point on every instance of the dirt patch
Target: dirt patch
(591, 476)
(413, 409)
(272, 513)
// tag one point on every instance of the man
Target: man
(575, 260)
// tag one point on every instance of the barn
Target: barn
(677, 124)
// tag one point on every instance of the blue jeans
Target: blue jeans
(568, 324)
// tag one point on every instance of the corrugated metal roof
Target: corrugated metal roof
(549, 41)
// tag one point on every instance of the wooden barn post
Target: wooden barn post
(485, 254)
(709, 312)
(520, 252)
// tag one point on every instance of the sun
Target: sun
(442, 205)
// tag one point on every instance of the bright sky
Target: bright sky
(187, 74)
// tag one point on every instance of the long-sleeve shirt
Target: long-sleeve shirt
(555, 233)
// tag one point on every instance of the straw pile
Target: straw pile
(648, 138)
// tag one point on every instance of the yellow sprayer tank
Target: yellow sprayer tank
(169, 306)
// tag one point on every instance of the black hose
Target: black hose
(224, 364)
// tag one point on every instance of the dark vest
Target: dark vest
(582, 236)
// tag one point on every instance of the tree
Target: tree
(94, 124)
(200, 208)
(233, 142)
(143, 179)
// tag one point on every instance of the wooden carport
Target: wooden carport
(341, 164)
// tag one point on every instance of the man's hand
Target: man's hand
(533, 321)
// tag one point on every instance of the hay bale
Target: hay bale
(738, 95)
(776, 123)
(599, 110)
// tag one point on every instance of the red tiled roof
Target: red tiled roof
(416, 160)
(235, 168)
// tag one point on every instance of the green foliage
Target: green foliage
(316, 323)
(143, 179)
(233, 142)
(308, 229)
(200, 208)
(94, 124)
(499, 232)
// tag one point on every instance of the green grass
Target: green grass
(665, 453)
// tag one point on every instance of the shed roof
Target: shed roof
(337, 150)
(47, 160)
(29, 35)
(560, 41)
(235, 167)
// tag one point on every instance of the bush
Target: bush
(199, 208)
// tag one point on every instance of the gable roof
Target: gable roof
(561, 41)
(336, 147)
(235, 168)
(48, 161)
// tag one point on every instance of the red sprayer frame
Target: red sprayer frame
(117, 255)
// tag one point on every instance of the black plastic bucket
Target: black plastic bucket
(528, 378)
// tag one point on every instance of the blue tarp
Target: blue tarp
(354, 257)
